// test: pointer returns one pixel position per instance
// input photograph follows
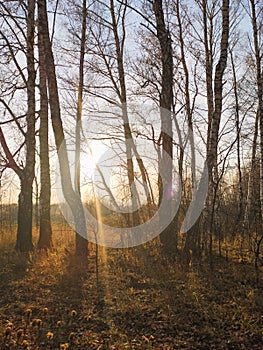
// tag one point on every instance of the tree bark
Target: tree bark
(216, 118)
(258, 58)
(45, 236)
(24, 218)
(79, 240)
(218, 93)
(25, 211)
(237, 120)
(192, 236)
(169, 235)
(71, 197)
(208, 39)
(80, 96)
(250, 200)
(127, 129)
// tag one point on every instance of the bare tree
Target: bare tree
(213, 127)
(45, 235)
(27, 172)
(72, 198)
(168, 236)
(258, 60)
(106, 43)
(80, 95)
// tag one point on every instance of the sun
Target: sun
(87, 163)
(89, 158)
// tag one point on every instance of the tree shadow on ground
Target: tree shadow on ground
(14, 268)
(217, 309)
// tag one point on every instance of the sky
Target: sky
(9, 190)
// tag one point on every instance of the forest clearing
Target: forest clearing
(131, 174)
(138, 300)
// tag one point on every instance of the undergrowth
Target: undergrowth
(138, 300)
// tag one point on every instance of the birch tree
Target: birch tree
(256, 12)
(45, 234)
(168, 236)
(213, 126)
(25, 173)
(72, 198)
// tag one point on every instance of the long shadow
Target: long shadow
(213, 309)
(14, 267)
(74, 299)
(69, 287)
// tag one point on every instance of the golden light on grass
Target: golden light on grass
(8, 332)
(45, 310)
(37, 322)
(71, 336)
(73, 313)
(25, 344)
(10, 324)
(19, 333)
(50, 335)
(28, 313)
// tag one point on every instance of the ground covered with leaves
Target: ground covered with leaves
(138, 300)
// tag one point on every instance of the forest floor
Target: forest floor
(138, 300)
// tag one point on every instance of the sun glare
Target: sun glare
(89, 159)
(88, 163)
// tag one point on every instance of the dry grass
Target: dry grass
(49, 301)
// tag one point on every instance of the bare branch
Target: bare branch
(14, 118)
(11, 162)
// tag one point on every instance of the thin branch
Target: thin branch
(54, 22)
(13, 116)
(12, 120)
(11, 162)
(138, 12)
(14, 57)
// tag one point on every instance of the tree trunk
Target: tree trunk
(251, 182)
(79, 240)
(216, 118)
(192, 236)
(169, 235)
(258, 56)
(25, 211)
(208, 69)
(71, 197)
(45, 237)
(218, 93)
(24, 219)
(80, 96)
(237, 119)
(127, 129)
